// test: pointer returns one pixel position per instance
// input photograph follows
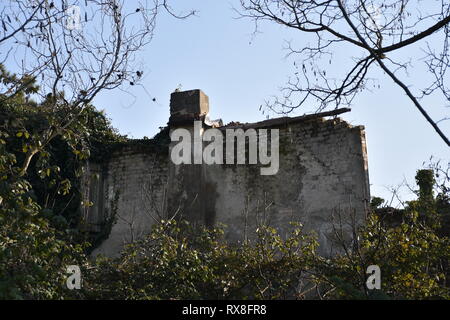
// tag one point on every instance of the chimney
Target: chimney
(187, 106)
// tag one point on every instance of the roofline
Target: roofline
(286, 120)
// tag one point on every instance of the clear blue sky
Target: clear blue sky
(217, 53)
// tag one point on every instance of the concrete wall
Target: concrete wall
(131, 197)
(323, 170)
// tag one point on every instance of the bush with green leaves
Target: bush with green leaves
(33, 255)
(40, 231)
(411, 250)
(40, 191)
(179, 261)
(412, 258)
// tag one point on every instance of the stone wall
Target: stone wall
(131, 197)
(322, 172)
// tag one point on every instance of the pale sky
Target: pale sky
(218, 54)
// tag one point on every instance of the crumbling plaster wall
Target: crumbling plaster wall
(134, 184)
(322, 171)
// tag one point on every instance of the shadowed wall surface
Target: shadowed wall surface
(322, 173)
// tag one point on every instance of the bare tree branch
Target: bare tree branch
(374, 28)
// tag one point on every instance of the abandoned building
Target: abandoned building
(322, 170)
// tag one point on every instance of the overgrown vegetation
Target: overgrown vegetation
(40, 191)
(178, 261)
(40, 233)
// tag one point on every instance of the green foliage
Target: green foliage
(40, 167)
(33, 255)
(49, 151)
(179, 261)
(426, 182)
(376, 202)
(413, 252)
(411, 257)
(39, 190)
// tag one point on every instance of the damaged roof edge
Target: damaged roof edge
(285, 120)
